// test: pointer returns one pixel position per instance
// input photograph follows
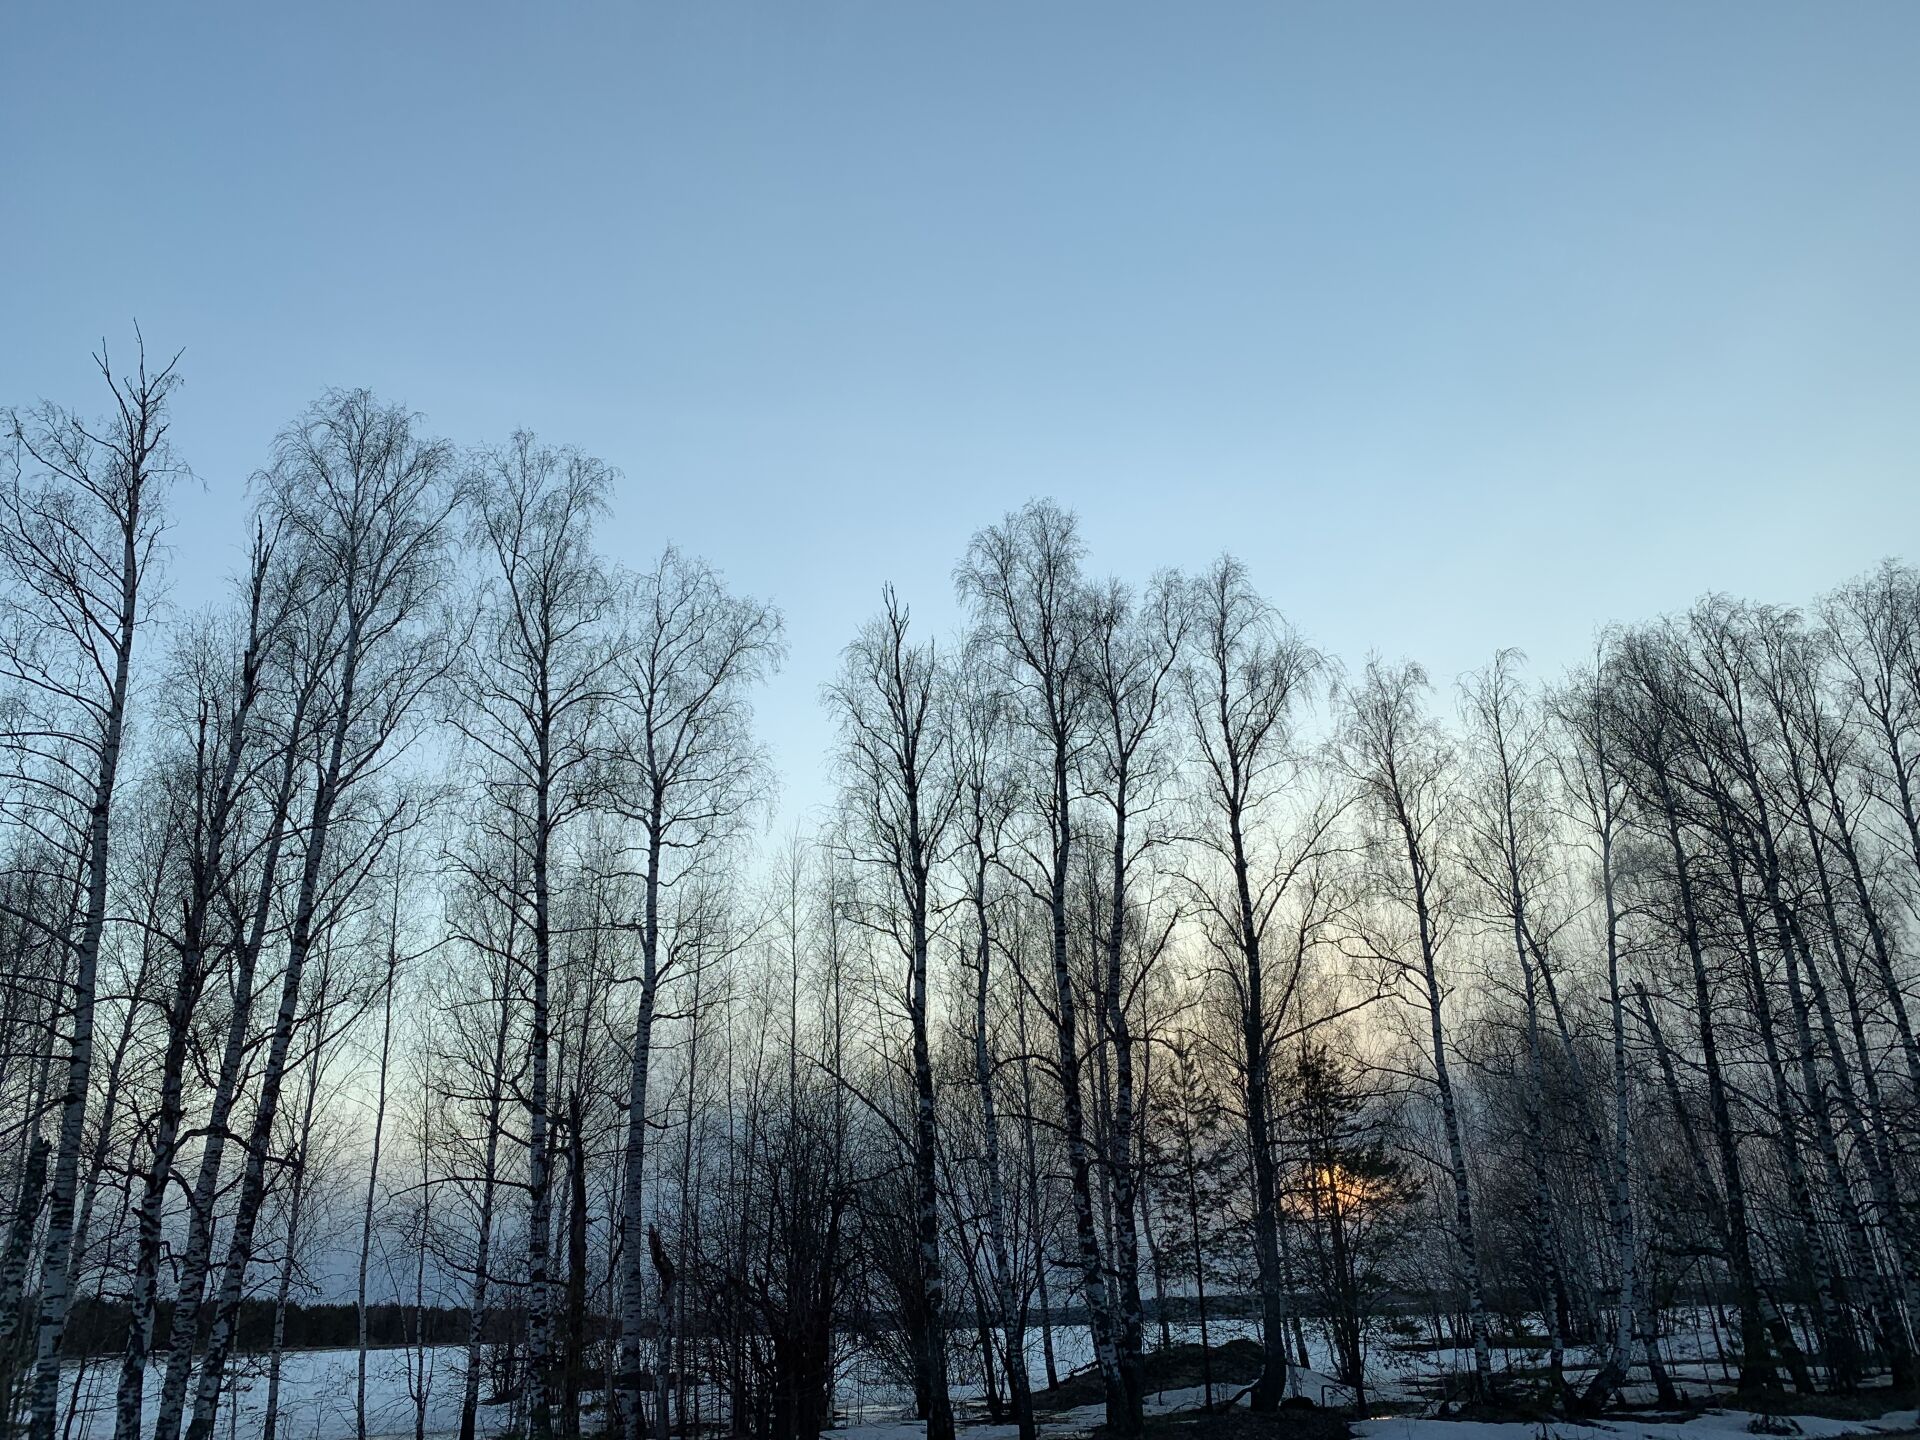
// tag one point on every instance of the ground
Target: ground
(318, 1395)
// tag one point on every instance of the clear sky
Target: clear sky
(1464, 325)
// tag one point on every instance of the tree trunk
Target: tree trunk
(300, 942)
(1120, 1153)
(662, 1333)
(1547, 1234)
(1035, 1207)
(296, 1208)
(483, 1225)
(195, 1261)
(13, 1275)
(1613, 1373)
(373, 1184)
(1756, 1366)
(933, 1286)
(633, 1247)
(1093, 1279)
(56, 1278)
(1255, 1066)
(1012, 1315)
(1192, 1168)
(573, 1361)
(1464, 1236)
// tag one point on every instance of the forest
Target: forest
(398, 958)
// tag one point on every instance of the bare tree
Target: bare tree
(80, 526)
(530, 704)
(1022, 578)
(1806, 744)
(1644, 720)
(397, 962)
(986, 802)
(1131, 652)
(488, 922)
(1245, 680)
(686, 772)
(1872, 624)
(251, 907)
(1405, 768)
(1591, 778)
(231, 761)
(894, 706)
(1505, 852)
(367, 502)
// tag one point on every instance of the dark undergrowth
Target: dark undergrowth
(1865, 1404)
(1531, 1398)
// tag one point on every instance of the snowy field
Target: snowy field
(317, 1394)
(317, 1390)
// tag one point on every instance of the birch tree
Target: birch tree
(80, 527)
(894, 707)
(367, 501)
(1022, 579)
(1405, 769)
(1132, 649)
(1261, 832)
(1595, 790)
(1872, 623)
(226, 776)
(1643, 721)
(530, 703)
(686, 772)
(482, 1071)
(1504, 852)
(289, 747)
(986, 798)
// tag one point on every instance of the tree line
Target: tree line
(404, 928)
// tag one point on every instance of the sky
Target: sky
(1463, 325)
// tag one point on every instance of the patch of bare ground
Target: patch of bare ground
(1236, 1365)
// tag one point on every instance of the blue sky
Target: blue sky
(1464, 325)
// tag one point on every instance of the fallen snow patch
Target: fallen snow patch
(1710, 1425)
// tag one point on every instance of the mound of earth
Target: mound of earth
(1178, 1367)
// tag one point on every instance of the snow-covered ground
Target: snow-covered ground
(1710, 1425)
(317, 1394)
(317, 1389)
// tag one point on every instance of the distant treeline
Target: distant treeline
(99, 1327)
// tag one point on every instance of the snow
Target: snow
(317, 1389)
(1710, 1425)
(317, 1396)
